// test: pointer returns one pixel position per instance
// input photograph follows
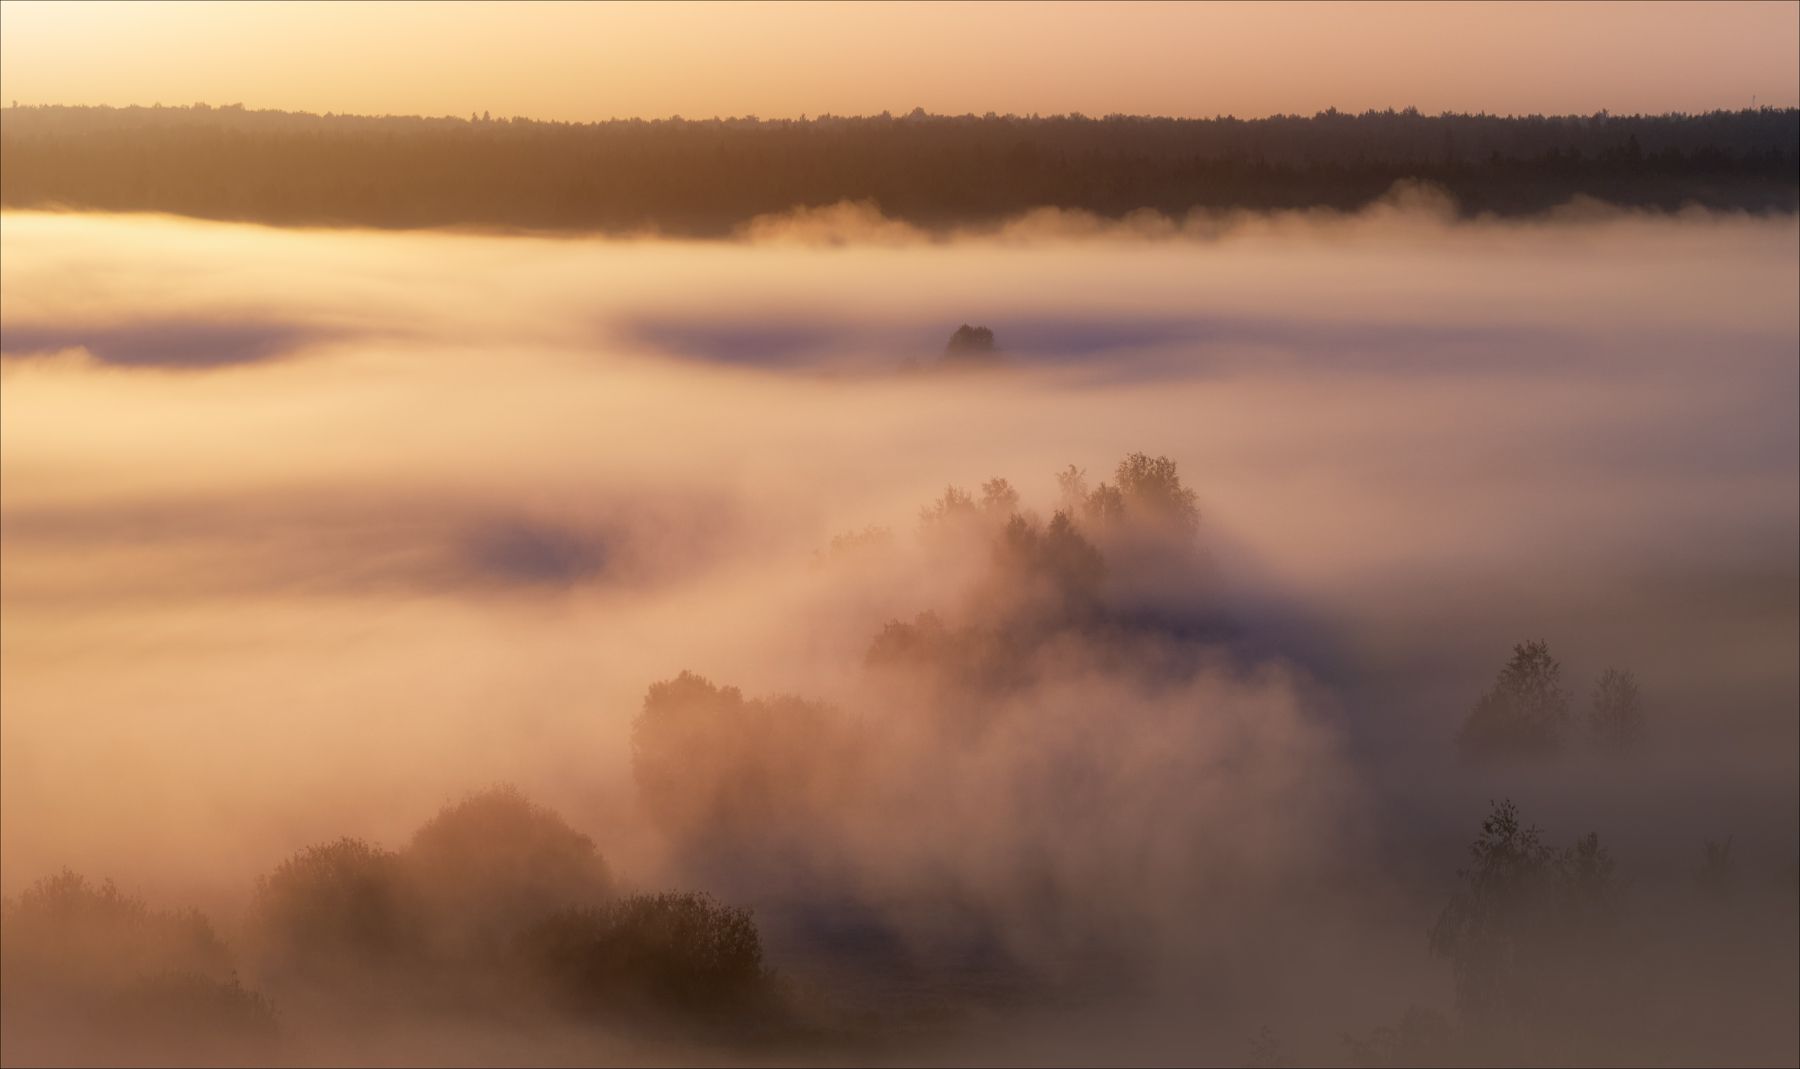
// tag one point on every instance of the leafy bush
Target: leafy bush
(88, 973)
(713, 765)
(669, 952)
(1616, 719)
(336, 906)
(489, 865)
(66, 930)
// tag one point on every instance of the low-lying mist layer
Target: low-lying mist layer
(1128, 682)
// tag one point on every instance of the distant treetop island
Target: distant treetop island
(971, 344)
(708, 178)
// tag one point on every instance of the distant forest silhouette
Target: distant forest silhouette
(709, 177)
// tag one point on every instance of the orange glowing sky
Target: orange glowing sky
(596, 61)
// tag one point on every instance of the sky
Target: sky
(584, 62)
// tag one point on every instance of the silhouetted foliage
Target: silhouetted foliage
(955, 510)
(720, 771)
(1616, 719)
(1525, 712)
(933, 171)
(494, 862)
(970, 347)
(1044, 577)
(923, 639)
(999, 500)
(1525, 925)
(89, 972)
(339, 906)
(1150, 490)
(97, 933)
(662, 952)
(1078, 575)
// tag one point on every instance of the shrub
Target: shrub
(339, 905)
(489, 865)
(668, 952)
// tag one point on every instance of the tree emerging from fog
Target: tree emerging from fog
(1616, 718)
(1530, 934)
(1524, 714)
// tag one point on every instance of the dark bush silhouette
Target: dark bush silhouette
(970, 347)
(670, 952)
(338, 907)
(487, 866)
(1528, 930)
(1525, 712)
(1616, 719)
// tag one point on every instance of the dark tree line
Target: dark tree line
(708, 177)
(497, 909)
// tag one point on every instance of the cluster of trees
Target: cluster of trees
(1069, 577)
(497, 905)
(743, 786)
(1526, 712)
(1551, 963)
(709, 177)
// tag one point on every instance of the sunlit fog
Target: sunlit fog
(1062, 640)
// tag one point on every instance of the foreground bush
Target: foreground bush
(672, 953)
(489, 866)
(89, 974)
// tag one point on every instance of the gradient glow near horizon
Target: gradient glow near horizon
(585, 62)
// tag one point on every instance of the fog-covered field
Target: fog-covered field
(307, 533)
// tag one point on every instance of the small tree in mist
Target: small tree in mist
(1105, 505)
(953, 513)
(1524, 713)
(1527, 925)
(1152, 492)
(1616, 718)
(999, 500)
(1071, 490)
(971, 347)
